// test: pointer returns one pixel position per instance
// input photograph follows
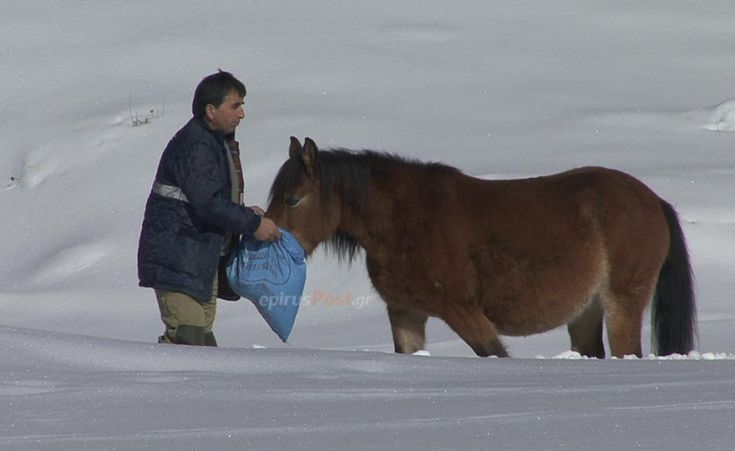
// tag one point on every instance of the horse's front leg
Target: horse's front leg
(409, 330)
(475, 329)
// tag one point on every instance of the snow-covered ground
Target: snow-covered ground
(498, 89)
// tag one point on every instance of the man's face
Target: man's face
(227, 116)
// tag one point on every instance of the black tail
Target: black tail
(674, 313)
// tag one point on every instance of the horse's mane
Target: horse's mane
(347, 173)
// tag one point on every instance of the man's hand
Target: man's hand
(267, 231)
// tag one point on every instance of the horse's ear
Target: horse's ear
(309, 156)
(295, 150)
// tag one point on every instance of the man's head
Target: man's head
(218, 100)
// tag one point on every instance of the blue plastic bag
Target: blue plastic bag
(272, 275)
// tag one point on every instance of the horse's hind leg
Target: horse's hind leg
(585, 331)
(627, 295)
(476, 330)
(624, 317)
(409, 330)
(624, 332)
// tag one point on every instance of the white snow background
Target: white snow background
(498, 89)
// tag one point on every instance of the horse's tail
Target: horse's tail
(673, 313)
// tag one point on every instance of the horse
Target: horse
(497, 257)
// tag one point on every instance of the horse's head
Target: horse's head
(297, 198)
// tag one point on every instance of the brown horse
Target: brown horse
(508, 257)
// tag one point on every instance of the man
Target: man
(194, 211)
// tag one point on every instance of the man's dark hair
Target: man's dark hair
(213, 89)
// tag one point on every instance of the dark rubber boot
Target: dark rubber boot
(189, 335)
(209, 339)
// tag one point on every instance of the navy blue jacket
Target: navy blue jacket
(181, 241)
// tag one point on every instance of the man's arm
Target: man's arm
(196, 170)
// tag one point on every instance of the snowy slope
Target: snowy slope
(92, 394)
(498, 89)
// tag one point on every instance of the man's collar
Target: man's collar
(219, 134)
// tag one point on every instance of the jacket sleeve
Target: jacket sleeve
(198, 175)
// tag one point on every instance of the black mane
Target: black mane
(347, 173)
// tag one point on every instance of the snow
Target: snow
(84, 393)
(498, 89)
(722, 117)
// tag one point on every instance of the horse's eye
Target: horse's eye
(292, 202)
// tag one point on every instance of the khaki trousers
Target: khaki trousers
(179, 309)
